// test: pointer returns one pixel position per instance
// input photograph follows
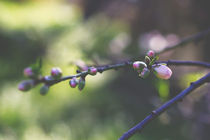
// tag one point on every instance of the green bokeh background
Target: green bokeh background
(62, 33)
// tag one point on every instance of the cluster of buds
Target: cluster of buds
(144, 68)
(29, 72)
(26, 85)
(141, 68)
(56, 74)
(80, 82)
(74, 82)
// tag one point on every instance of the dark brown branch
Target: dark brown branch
(154, 114)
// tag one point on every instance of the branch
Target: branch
(192, 38)
(130, 62)
(139, 127)
(37, 79)
(101, 69)
(186, 63)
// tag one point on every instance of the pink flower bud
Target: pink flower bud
(139, 65)
(56, 73)
(145, 72)
(151, 53)
(28, 72)
(92, 70)
(26, 85)
(73, 82)
(163, 72)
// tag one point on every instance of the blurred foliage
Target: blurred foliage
(163, 89)
(63, 32)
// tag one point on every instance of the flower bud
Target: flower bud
(81, 83)
(28, 72)
(26, 85)
(139, 65)
(147, 60)
(162, 71)
(92, 70)
(151, 54)
(56, 73)
(145, 72)
(44, 89)
(73, 82)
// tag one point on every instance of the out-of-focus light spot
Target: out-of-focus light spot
(172, 39)
(156, 41)
(119, 43)
(164, 118)
(39, 15)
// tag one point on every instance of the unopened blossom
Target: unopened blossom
(73, 82)
(162, 71)
(26, 85)
(28, 72)
(92, 71)
(151, 53)
(44, 89)
(56, 73)
(139, 65)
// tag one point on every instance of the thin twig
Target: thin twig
(192, 38)
(85, 73)
(186, 63)
(154, 114)
(125, 64)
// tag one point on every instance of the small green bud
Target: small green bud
(147, 60)
(44, 89)
(81, 83)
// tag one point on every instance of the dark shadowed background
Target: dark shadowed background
(64, 32)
